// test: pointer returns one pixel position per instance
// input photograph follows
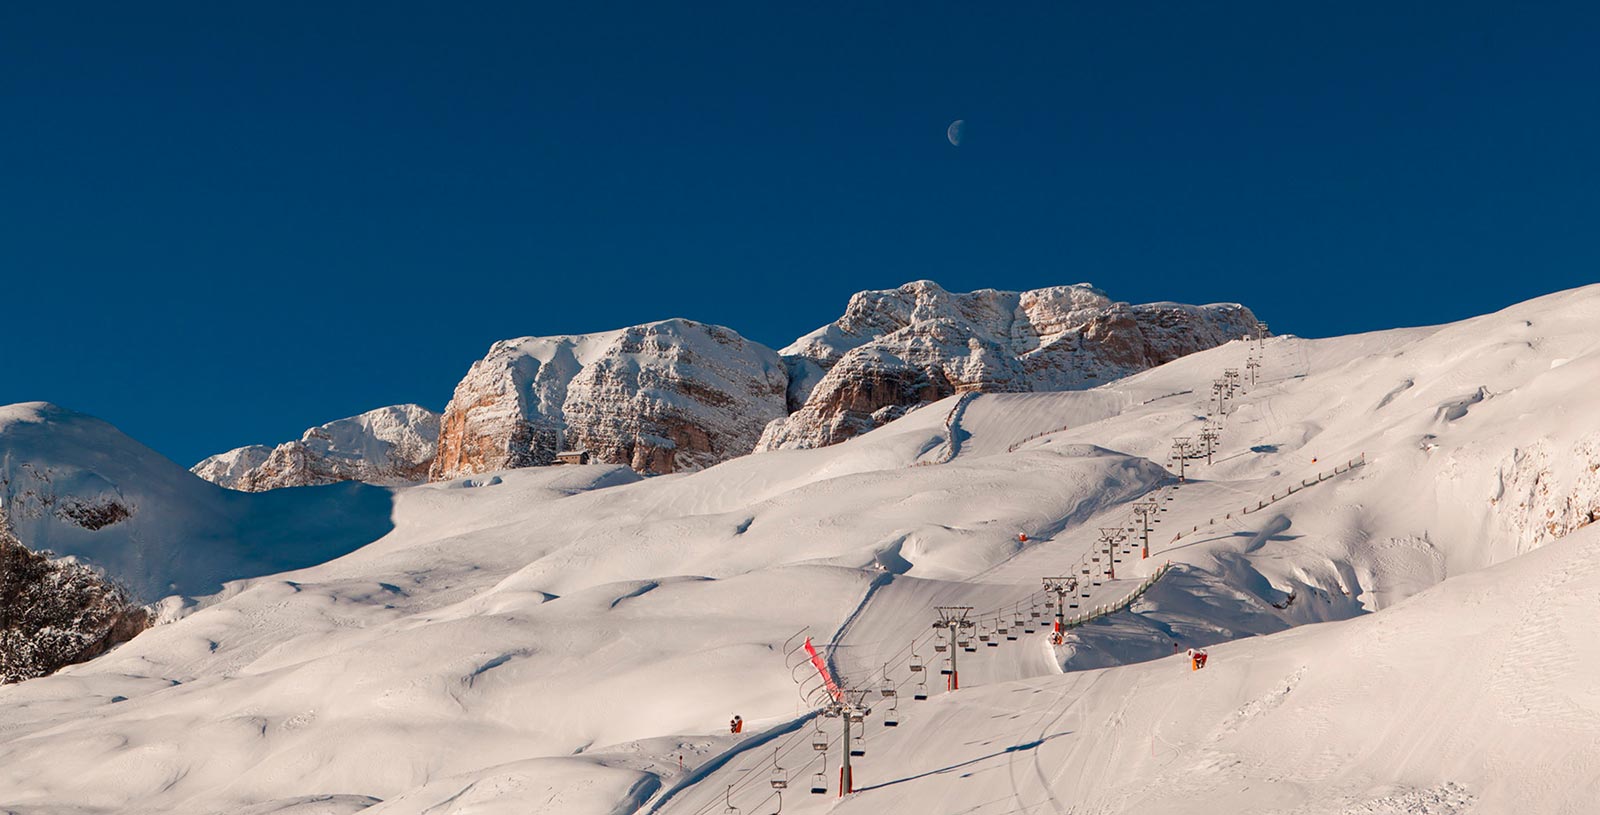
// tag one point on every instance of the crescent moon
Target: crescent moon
(953, 133)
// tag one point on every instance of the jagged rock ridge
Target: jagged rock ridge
(894, 350)
(662, 397)
(389, 446)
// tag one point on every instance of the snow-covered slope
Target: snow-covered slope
(558, 640)
(389, 446)
(75, 485)
(662, 397)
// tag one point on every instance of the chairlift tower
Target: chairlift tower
(1261, 334)
(1145, 510)
(1252, 363)
(1180, 452)
(1061, 587)
(1219, 392)
(953, 620)
(1209, 436)
(1110, 536)
(849, 707)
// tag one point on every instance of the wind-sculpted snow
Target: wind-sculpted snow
(1406, 635)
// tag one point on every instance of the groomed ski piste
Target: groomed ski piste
(1387, 558)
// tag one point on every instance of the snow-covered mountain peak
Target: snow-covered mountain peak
(660, 397)
(389, 446)
(898, 348)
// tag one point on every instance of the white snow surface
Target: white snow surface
(1408, 636)
(63, 474)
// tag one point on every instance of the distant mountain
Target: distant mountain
(662, 397)
(75, 485)
(897, 349)
(389, 446)
(678, 395)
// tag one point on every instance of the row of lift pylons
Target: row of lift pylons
(960, 630)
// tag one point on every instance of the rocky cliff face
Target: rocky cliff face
(894, 350)
(663, 397)
(389, 446)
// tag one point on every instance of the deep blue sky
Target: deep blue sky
(223, 223)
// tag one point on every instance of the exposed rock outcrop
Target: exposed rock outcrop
(897, 349)
(389, 446)
(662, 397)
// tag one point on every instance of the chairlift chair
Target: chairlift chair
(920, 692)
(916, 664)
(780, 776)
(819, 742)
(940, 647)
(891, 718)
(819, 782)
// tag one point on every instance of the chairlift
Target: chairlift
(780, 776)
(819, 782)
(891, 718)
(857, 749)
(916, 663)
(940, 647)
(920, 692)
(727, 798)
(819, 742)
